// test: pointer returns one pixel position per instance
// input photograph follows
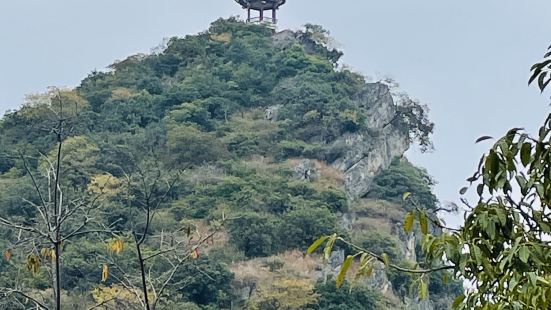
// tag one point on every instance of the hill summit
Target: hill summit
(268, 133)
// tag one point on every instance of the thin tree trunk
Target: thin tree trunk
(142, 269)
(57, 217)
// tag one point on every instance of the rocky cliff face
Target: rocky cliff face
(368, 152)
(363, 155)
(360, 156)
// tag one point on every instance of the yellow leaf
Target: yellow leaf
(423, 290)
(116, 246)
(195, 253)
(424, 223)
(105, 273)
(366, 267)
(445, 278)
(48, 253)
(344, 270)
(405, 196)
(33, 263)
(45, 252)
(316, 244)
(8, 255)
(368, 271)
(458, 301)
(329, 246)
(408, 222)
(386, 260)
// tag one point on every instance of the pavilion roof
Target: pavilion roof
(261, 4)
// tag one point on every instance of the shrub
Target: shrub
(205, 282)
(379, 243)
(254, 234)
(189, 146)
(300, 227)
(403, 177)
(345, 298)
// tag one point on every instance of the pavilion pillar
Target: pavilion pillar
(274, 16)
(261, 15)
(249, 15)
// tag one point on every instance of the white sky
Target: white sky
(468, 60)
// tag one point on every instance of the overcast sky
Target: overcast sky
(468, 60)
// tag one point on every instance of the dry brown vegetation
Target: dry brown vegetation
(294, 264)
(379, 209)
(328, 176)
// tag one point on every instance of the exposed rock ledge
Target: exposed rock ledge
(368, 152)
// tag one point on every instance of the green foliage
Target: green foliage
(443, 283)
(297, 148)
(205, 282)
(412, 118)
(542, 71)
(402, 282)
(81, 267)
(251, 134)
(402, 177)
(318, 108)
(124, 110)
(380, 242)
(189, 146)
(79, 155)
(15, 188)
(300, 227)
(255, 234)
(344, 298)
(199, 106)
(241, 187)
(503, 232)
(263, 234)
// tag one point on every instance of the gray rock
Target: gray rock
(246, 288)
(407, 242)
(379, 280)
(332, 267)
(365, 154)
(272, 111)
(417, 304)
(336, 259)
(306, 170)
(377, 99)
(284, 39)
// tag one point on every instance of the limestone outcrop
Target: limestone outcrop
(366, 153)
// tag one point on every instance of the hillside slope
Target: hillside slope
(267, 133)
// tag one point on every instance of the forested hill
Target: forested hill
(211, 166)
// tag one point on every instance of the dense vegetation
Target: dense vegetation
(183, 134)
(503, 247)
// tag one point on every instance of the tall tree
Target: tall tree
(61, 213)
(159, 254)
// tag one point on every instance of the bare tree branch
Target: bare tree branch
(9, 292)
